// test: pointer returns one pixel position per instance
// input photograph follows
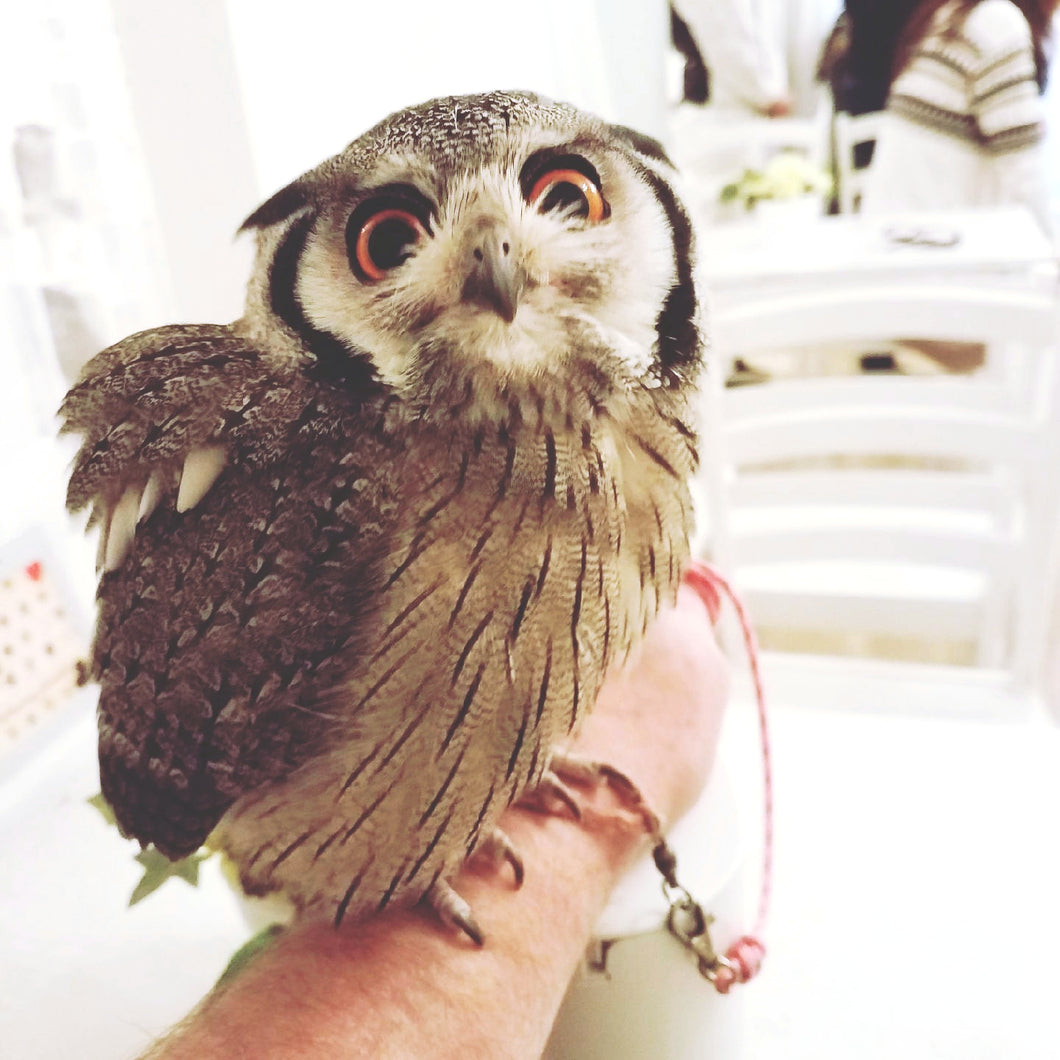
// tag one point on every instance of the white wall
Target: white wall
(234, 98)
(188, 113)
(1052, 133)
(312, 85)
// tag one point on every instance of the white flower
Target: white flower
(786, 176)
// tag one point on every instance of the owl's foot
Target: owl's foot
(452, 909)
(586, 772)
(551, 796)
(498, 850)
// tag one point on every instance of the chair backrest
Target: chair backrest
(848, 132)
(911, 507)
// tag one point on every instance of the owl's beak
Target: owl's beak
(495, 280)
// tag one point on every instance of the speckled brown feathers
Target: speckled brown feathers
(368, 552)
(215, 636)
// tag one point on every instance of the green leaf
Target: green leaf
(158, 868)
(248, 951)
(103, 806)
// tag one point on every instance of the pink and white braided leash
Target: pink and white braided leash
(687, 920)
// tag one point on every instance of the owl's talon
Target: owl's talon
(590, 773)
(550, 792)
(497, 847)
(454, 910)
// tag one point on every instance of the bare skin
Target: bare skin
(403, 986)
(778, 108)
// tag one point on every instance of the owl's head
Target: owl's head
(500, 235)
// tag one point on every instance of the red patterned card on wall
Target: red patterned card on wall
(42, 639)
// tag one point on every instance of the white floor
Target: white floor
(916, 909)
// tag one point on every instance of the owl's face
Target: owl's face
(495, 231)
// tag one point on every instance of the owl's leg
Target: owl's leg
(498, 850)
(587, 772)
(452, 909)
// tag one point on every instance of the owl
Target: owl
(367, 552)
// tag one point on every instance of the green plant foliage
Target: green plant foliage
(158, 868)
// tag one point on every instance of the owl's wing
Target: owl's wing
(221, 626)
(156, 413)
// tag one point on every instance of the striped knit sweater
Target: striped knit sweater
(963, 125)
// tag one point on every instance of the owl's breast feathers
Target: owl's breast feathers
(529, 553)
(220, 625)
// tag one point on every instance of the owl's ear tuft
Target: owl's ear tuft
(642, 144)
(285, 202)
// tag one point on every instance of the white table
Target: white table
(740, 260)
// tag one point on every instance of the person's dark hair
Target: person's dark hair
(1038, 13)
(859, 72)
(697, 77)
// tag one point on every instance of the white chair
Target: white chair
(848, 132)
(867, 507)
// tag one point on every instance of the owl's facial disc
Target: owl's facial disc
(509, 265)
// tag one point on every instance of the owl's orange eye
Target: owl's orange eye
(385, 240)
(571, 191)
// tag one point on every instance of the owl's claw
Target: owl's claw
(549, 794)
(452, 909)
(590, 773)
(497, 847)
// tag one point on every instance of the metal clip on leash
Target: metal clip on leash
(687, 921)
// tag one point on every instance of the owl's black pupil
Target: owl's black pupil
(563, 195)
(391, 242)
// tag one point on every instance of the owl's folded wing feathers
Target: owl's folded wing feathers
(225, 615)
(155, 412)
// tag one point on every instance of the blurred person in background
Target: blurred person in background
(696, 80)
(964, 121)
(860, 53)
(760, 54)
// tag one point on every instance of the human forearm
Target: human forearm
(403, 986)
